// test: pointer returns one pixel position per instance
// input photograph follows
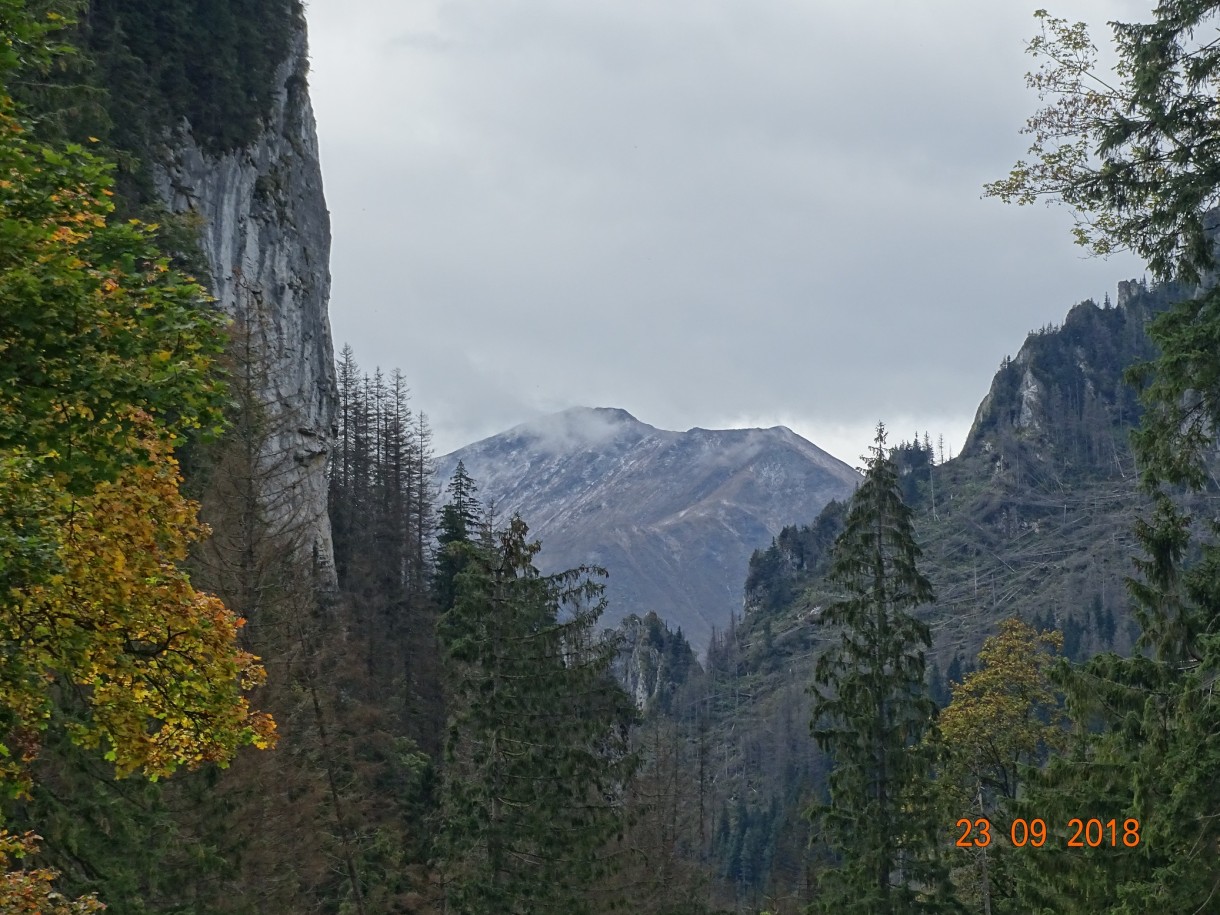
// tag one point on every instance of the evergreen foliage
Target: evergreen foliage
(131, 72)
(871, 712)
(659, 870)
(796, 554)
(460, 519)
(212, 62)
(382, 508)
(1136, 159)
(381, 700)
(536, 754)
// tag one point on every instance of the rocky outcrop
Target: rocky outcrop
(653, 662)
(1062, 403)
(265, 232)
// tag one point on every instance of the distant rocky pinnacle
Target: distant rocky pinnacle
(673, 516)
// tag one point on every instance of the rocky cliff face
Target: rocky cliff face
(266, 235)
(673, 516)
(1062, 404)
(653, 662)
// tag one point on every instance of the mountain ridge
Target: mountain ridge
(673, 516)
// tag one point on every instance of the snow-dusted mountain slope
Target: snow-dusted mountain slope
(673, 516)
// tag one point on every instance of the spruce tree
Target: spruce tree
(872, 710)
(459, 522)
(536, 759)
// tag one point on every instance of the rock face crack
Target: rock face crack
(266, 237)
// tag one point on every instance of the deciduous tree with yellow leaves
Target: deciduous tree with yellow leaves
(106, 361)
(1004, 717)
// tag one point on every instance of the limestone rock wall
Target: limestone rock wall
(266, 235)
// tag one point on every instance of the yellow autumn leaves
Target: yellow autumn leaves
(106, 362)
(29, 891)
(1004, 714)
(120, 626)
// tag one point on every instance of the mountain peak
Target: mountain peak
(1063, 397)
(611, 414)
(574, 429)
(674, 516)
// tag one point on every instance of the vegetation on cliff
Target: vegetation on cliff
(450, 736)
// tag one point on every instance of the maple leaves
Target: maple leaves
(29, 891)
(146, 665)
(106, 361)
(93, 322)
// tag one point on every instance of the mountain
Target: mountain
(1033, 519)
(673, 516)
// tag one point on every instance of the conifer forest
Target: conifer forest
(257, 655)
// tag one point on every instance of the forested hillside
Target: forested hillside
(259, 657)
(1077, 522)
(1035, 517)
(367, 654)
(1033, 520)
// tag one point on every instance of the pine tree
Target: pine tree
(258, 559)
(536, 754)
(423, 501)
(872, 709)
(348, 467)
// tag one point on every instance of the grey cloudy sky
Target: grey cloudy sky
(710, 213)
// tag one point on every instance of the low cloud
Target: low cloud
(695, 211)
